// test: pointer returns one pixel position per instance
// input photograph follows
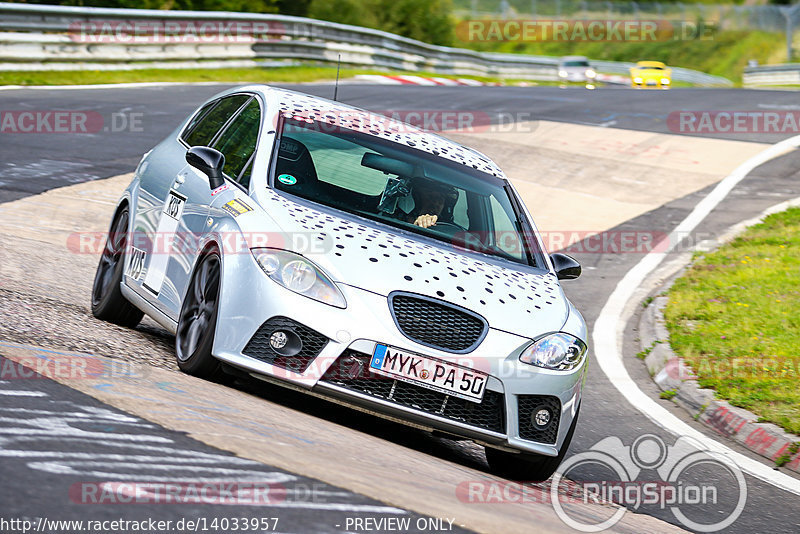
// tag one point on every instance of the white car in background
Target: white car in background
(576, 69)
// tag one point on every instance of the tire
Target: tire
(524, 467)
(197, 321)
(108, 303)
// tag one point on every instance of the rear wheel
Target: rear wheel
(198, 319)
(524, 467)
(108, 303)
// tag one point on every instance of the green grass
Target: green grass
(735, 318)
(299, 74)
(668, 394)
(786, 457)
(726, 54)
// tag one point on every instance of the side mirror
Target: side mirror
(208, 161)
(566, 267)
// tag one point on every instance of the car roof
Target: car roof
(574, 58)
(300, 105)
(650, 64)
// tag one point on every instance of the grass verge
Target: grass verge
(298, 74)
(725, 54)
(735, 318)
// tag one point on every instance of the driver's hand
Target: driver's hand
(426, 221)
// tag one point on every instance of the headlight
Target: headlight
(562, 73)
(590, 73)
(556, 351)
(298, 274)
(638, 79)
(664, 81)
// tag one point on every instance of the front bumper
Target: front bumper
(650, 84)
(247, 311)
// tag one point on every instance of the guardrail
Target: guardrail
(39, 37)
(786, 74)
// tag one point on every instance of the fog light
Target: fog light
(541, 418)
(278, 339)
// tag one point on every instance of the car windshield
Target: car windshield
(402, 187)
(576, 63)
(652, 67)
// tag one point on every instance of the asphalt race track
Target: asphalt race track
(31, 164)
(67, 433)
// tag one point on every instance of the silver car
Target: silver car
(576, 69)
(319, 246)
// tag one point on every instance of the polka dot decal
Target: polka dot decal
(308, 108)
(401, 263)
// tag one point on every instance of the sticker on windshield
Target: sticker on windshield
(287, 179)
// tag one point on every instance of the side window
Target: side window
(238, 141)
(506, 237)
(199, 115)
(460, 215)
(209, 124)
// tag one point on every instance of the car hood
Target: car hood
(383, 261)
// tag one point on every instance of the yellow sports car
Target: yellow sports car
(651, 75)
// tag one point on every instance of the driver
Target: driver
(430, 203)
(428, 207)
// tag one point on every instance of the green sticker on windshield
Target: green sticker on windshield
(287, 179)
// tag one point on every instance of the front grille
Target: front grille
(437, 324)
(352, 371)
(311, 344)
(528, 405)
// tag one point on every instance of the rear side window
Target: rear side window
(207, 126)
(238, 141)
(197, 116)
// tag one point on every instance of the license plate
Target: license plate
(430, 373)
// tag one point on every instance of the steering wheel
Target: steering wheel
(448, 225)
(447, 228)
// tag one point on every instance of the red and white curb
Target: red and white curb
(408, 79)
(385, 79)
(614, 78)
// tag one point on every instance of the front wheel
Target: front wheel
(524, 467)
(198, 319)
(108, 303)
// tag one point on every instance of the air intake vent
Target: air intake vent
(437, 324)
(542, 431)
(352, 371)
(298, 345)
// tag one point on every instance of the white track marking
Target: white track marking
(610, 324)
(22, 393)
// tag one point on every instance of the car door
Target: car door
(173, 218)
